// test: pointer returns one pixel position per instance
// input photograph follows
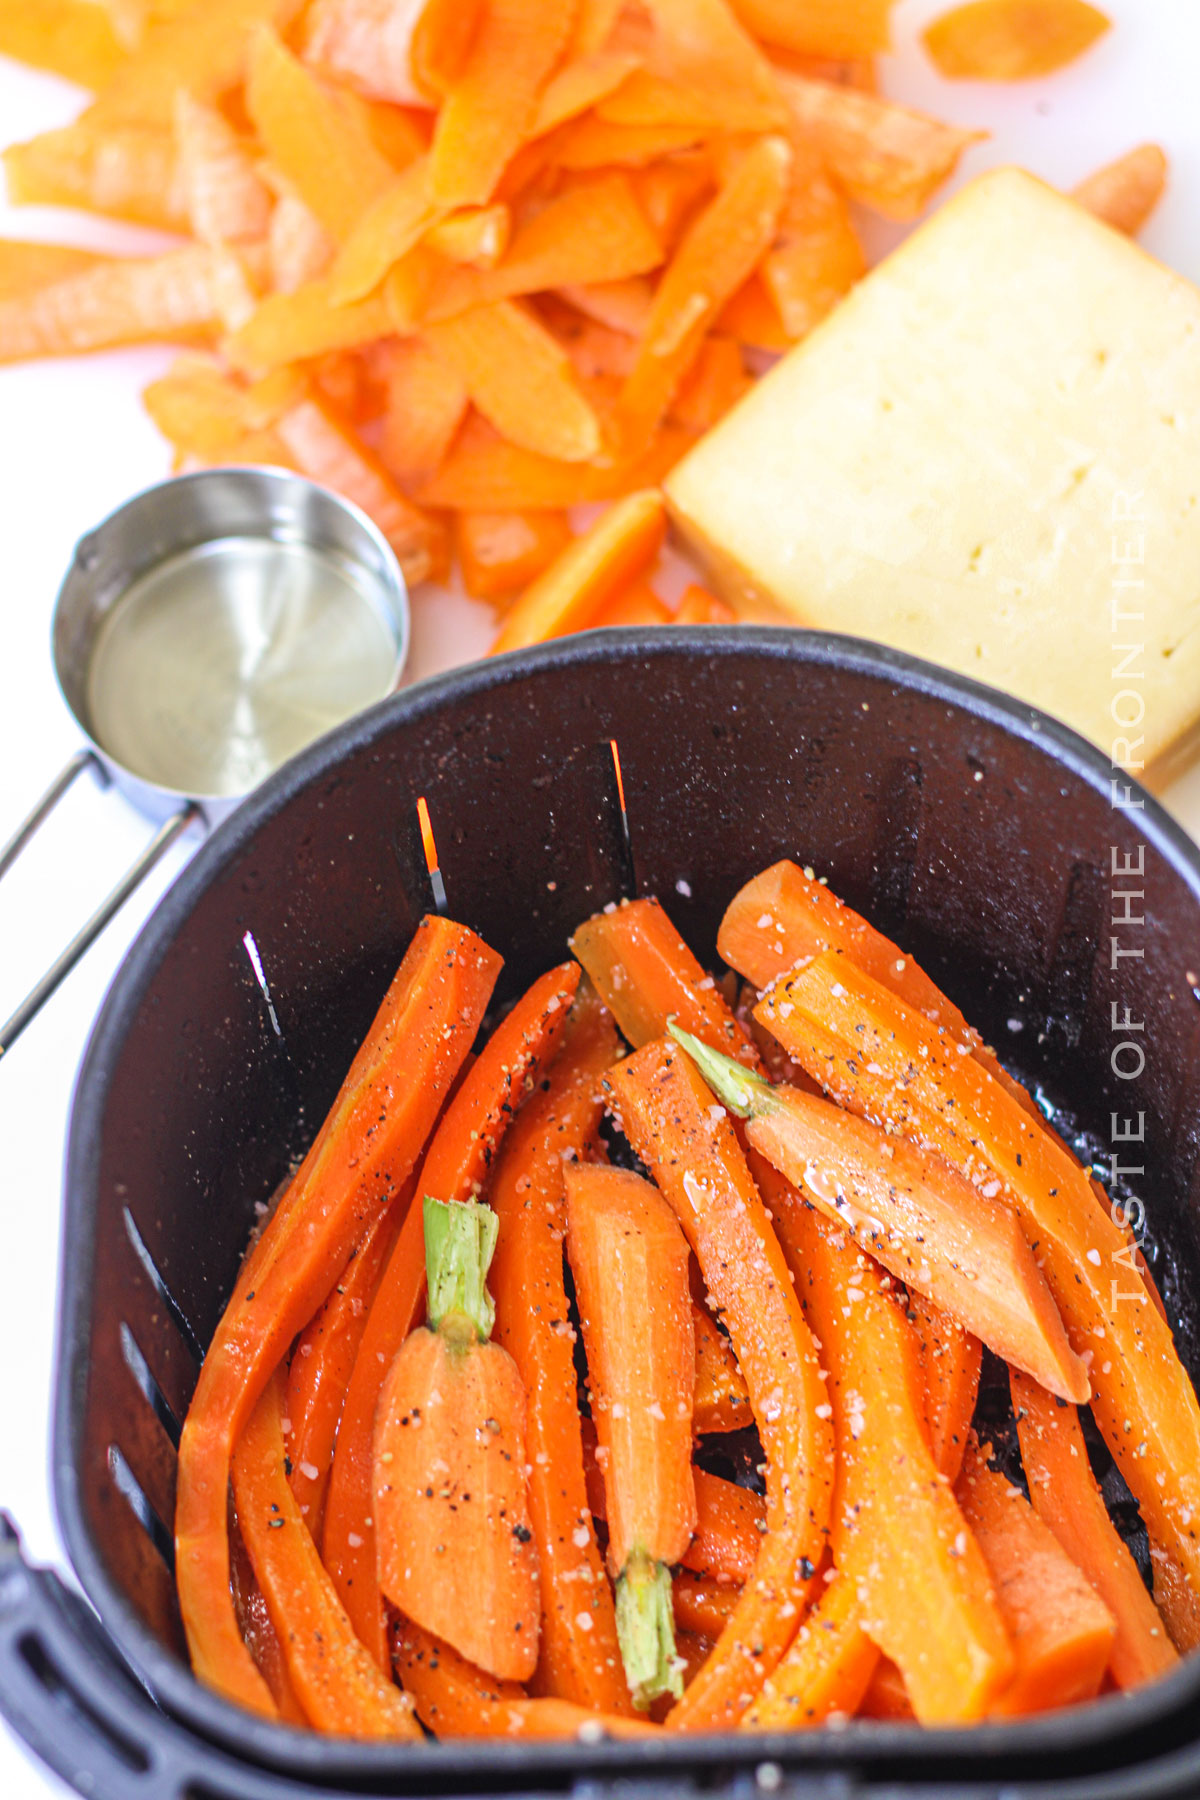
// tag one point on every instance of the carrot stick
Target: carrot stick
(202, 49)
(717, 380)
(262, 1639)
(298, 246)
(701, 45)
(667, 1113)
(338, 1685)
(1065, 1496)
(920, 1218)
(227, 201)
(499, 552)
(699, 607)
(477, 236)
(129, 171)
(951, 1362)
(1010, 40)
(814, 28)
(816, 258)
(118, 300)
(441, 43)
(365, 1149)
(483, 472)
(426, 404)
(1062, 1632)
(577, 87)
(630, 1263)
(580, 1656)
(842, 1026)
(396, 218)
(456, 1162)
(303, 323)
(702, 1605)
(26, 266)
(829, 1667)
(1124, 193)
(730, 1520)
(520, 378)
(68, 37)
(593, 568)
(721, 1400)
(367, 44)
(455, 1700)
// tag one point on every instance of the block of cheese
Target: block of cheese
(988, 455)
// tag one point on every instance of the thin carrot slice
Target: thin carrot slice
(580, 1657)
(500, 552)
(888, 157)
(262, 1639)
(520, 378)
(198, 406)
(951, 1363)
(752, 317)
(387, 229)
(367, 42)
(477, 237)
(456, 1161)
(717, 254)
(70, 38)
(702, 1606)
(828, 1669)
(130, 300)
(721, 1400)
(621, 305)
(595, 143)
(1066, 1498)
(616, 549)
(227, 201)
(426, 404)
(852, 28)
(453, 1699)
(670, 191)
(129, 171)
(27, 266)
(201, 48)
(817, 257)
(698, 607)
(637, 604)
(441, 43)
(577, 87)
(483, 472)
(1124, 193)
(315, 141)
(1062, 1632)
(293, 327)
(336, 1682)
(595, 21)
(298, 246)
(667, 1114)
(701, 45)
(923, 1220)
(1012, 40)
(493, 102)
(366, 1146)
(716, 381)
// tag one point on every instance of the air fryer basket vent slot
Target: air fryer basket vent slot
(176, 1312)
(130, 1489)
(143, 1374)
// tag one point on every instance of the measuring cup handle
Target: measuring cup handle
(157, 848)
(83, 759)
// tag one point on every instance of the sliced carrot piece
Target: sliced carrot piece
(951, 1363)
(637, 604)
(227, 201)
(368, 1143)
(426, 404)
(298, 246)
(477, 237)
(485, 473)
(595, 21)
(520, 378)
(71, 38)
(336, 1682)
(829, 1667)
(1124, 193)
(666, 1112)
(198, 406)
(752, 317)
(1012, 40)
(817, 257)
(493, 102)
(441, 43)
(1062, 1632)
(886, 1696)
(401, 134)
(595, 143)
(367, 42)
(201, 48)
(598, 564)
(701, 45)
(262, 1639)
(621, 305)
(716, 381)
(717, 254)
(130, 300)
(500, 552)
(721, 1401)
(127, 170)
(577, 87)
(888, 157)
(318, 144)
(27, 266)
(698, 607)
(814, 28)
(296, 326)
(669, 192)
(1066, 1498)
(702, 1605)
(396, 220)
(580, 1657)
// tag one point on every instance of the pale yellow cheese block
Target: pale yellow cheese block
(988, 450)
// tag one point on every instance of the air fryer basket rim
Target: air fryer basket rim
(1049, 1736)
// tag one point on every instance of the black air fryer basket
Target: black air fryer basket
(978, 833)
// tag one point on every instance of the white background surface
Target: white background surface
(74, 443)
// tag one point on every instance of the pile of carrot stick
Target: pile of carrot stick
(480, 1366)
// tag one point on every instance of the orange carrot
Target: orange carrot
(298, 246)
(202, 49)
(368, 43)
(405, 1066)
(426, 404)
(700, 46)
(630, 1263)
(577, 87)
(594, 143)
(27, 266)
(1062, 1632)
(621, 305)
(816, 258)
(699, 607)
(68, 37)
(456, 1161)
(597, 565)
(669, 192)
(721, 1401)
(1124, 193)
(129, 171)
(702, 1605)
(667, 1114)
(485, 473)
(262, 1639)
(454, 1545)
(580, 1657)
(303, 323)
(1065, 1496)
(647, 976)
(199, 407)
(717, 380)
(477, 236)
(227, 200)
(752, 317)
(814, 28)
(396, 217)
(336, 1682)
(520, 378)
(925, 1222)
(441, 43)
(1012, 40)
(637, 604)
(829, 1666)
(951, 1362)
(499, 552)
(119, 300)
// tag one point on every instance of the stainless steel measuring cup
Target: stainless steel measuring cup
(205, 632)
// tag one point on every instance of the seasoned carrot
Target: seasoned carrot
(580, 1657)
(1066, 1498)
(396, 218)
(829, 1666)
(1124, 193)
(621, 305)
(365, 1149)
(70, 38)
(485, 473)
(454, 1546)
(520, 378)
(202, 49)
(637, 604)
(618, 547)
(924, 1221)
(843, 1026)
(702, 1605)
(262, 1639)
(648, 976)
(499, 552)
(951, 1363)
(717, 254)
(752, 317)
(130, 171)
(698, 607)
(667, 1114)
(441, 43)
(455, 1165)
(852, 28)
(721, 1400)
(1012, 40)
(119, 300)
(456, 1700)
(1062, 1632)
(493, 101)
(630, 1264)
(335, 1680)
(227, 200)
(426, 404)
(886, 1696)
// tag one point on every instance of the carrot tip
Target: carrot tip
(646, 1631)
(735, 1086)
(460, 1238)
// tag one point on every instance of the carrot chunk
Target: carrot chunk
(27, 266)
(294, 327)
(852, 28)
(716, 381)
(500, 552)
(951, 1363)
(701, 46)
(1124, 193)
(828, 1669)
(637, 604)
(816, 258)
(227, 201)
(699, 607)
(721, 1400)
(589, 571)
(1012, 40)
(520, 378)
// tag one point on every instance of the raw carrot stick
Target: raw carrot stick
(336, 1682)
(816, 258)
(302, 323)
(298, 246)
(721, 1400)
(843, 1027)
(577, 87)
(701, 45)
(456, 1700)
(499, 552)
(68, 37)
(322, 1363)
(1012, 40)
(716, 381)
(647, 975)
(580, 1658)
(630, 1263)
(951, 1362)
(26, 266)
(829, 1667)
(814, 28)
(637, 604)
(463, 1148)
(454, 1546)
(520, 378)
(667, 1113)
(365, 1150)
(702, 1605)
(368, 43)
(623, 542)
(1066, 1498)
(1124, 193)
(476, 237)
(922, 1219)
(1062, 1632)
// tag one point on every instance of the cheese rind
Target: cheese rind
(988, 455)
